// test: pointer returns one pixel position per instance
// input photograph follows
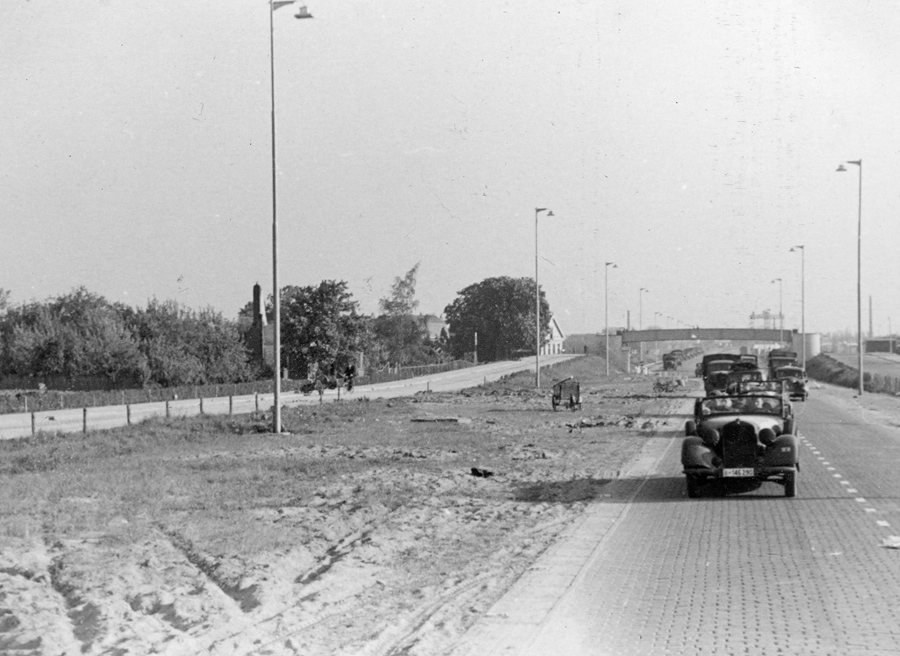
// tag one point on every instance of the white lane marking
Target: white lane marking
(845, 482)
(826, 463)
(832, 468)
(882, 523)
(871, 510)
(859, 499)
(837, 476)
(852, 490)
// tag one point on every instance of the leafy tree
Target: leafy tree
(402, 299)
(401, 336)
(320, 326)
(501, 311)
(76, 334)
(189, 347)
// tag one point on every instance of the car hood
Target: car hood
(759, 421)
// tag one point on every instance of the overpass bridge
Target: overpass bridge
(688, 334)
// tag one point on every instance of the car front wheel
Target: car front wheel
(693, 486)
(790, 484)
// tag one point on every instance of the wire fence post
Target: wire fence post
(84, 420)
(167, 409)
(128, 413)
(230, 404)
(256, 400)
(201, 405)
(33, 423)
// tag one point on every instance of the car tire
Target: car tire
(790, 484)
(693, 485)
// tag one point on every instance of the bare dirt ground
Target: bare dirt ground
(373, 528)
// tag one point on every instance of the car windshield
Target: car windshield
(716, 366)
(750, 404)
(761, 386)
(789, 372)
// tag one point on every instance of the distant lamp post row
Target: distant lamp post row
(859, 338)
(537, 301)
(606, 308)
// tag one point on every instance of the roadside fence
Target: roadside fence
(38, 400)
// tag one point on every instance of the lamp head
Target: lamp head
(841, 168)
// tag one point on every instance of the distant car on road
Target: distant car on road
(716, 376)
(796, 382)
(741, 375)
(742, 441)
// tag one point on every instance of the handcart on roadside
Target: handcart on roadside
(566, 392)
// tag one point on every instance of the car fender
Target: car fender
(694, 453)
(783, 452)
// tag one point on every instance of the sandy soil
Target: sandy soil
(374, 528)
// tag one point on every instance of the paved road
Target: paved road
(650, 571)
(72, 420)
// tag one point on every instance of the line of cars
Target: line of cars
(676, 357)
(742, 432)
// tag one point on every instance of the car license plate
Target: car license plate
(738, 472)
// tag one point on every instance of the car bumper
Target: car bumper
(724, 472)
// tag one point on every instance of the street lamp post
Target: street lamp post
(802, 250)
(859, 338)
(781, 310)
(606, 308)
(641, 325)
(656, 322)
(537, 301)
(276, 357)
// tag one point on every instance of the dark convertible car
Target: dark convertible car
(741, 441)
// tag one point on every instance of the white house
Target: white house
(553, 345)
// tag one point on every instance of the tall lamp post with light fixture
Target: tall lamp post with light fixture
(606, 308)
(859, 338)
(802, 250)
(781, 312)
(537, 301)
(276, 342)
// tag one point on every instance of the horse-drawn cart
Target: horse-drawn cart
(566, 392)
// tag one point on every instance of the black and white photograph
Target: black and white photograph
(342, 328)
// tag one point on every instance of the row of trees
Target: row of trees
(81, 334)
(166, 344)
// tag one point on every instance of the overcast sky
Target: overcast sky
(691, 142)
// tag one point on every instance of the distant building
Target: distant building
(554, 344)
(881, 345)
(434, 325)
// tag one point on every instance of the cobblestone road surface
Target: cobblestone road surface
(650, 571)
